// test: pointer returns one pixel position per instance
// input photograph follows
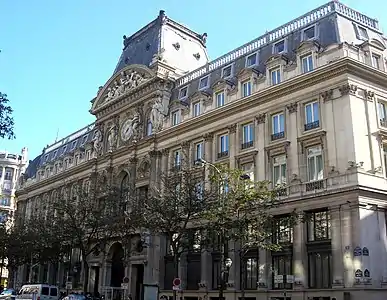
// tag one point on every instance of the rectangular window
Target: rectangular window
(227, 71)
(175, 118)
(283, 231)
(219, 99)
(382, 114)
(149, 128)
(216, 273)
(319, 226)
(309, 33)
(196, 109)
(177, 158)
(376, 61)
(247, 135)
(8, 175)
(307, 63)
(282, 265)
(198, 151)
(246, 89)
(248, 169)
(223, 146)
(275, 76)
(203, 83)
(279, 170)
(5, 202)
(250, 272)
(183, 92)
(312, 116)
(363, 34)
(251, 60)
(315, 164)
(320, 269)
(199, 195)
(279, 47)
(278, 126)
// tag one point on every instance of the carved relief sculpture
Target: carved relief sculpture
(97, 142)
(130, 128)
(157, 115)
(112, 137)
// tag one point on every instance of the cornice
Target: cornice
(344, 65)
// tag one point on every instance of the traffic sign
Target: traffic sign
(176, 288)
(176, 282)
(125, 285)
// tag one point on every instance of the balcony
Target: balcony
(248, 144)
(312, 125)
(278, 136)
(223, 154)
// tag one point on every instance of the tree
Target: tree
(6, 119)
(173, 209)
(89, 216)
(244, 213)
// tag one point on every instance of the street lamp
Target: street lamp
(225, 262)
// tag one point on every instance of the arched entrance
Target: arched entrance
(118, 268)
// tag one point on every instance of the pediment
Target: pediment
(247, 73)
(177, 104)
(199, 95)
(276, 58)
(127, 81)
(222, 84)
(378, 44)
(308, 46)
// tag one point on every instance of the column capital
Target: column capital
(208, 137)
(133, 160)
(232, 128)
(155, 153)
(292, 107)
(185, 144)
(261, 118)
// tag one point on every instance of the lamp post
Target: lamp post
(225, 263)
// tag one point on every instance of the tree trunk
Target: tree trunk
(85, 267)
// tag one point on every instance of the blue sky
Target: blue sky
(55, 54)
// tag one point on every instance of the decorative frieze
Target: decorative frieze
(292, 107)
(261, 118)
(369, 95)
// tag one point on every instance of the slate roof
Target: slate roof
(140, 48)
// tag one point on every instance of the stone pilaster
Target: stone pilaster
(260, 158)
(206, 269)
(164, 160)
(133, 172)
(299, 255)
(155, 166)
(337, 248)
(233, 145)
(185, 154)
(292, 129)
(264, 281)
(208, 156)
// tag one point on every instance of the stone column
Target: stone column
(155, 168)
(206, 269)
(233, 145)
(337, 248)
(51, 273)
(292, 130)
(208, 156)
(264, 280)
(164, 160)
(161, 261)
(260, 138)
(133, 172)
(185, 157)
(234, 275)
(299, 255)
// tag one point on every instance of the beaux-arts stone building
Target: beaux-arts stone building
(303, 105)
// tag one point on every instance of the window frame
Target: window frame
(247, 88)
(223, 98)
(194, 111)
(220, 144)
(185, 88)
(207, 77)
(177, 158)
(231, 71)
(304, 38)
(313, 220)
(175, 122)
(277, 72)
(247, 59)
(250, 133)
(149, 128)
(376, 57)
(246, 279)
(309, 60)
(280, 165)
(275, 45)
(315, 122)
(362, 32)
(308, 156)
(196, 146)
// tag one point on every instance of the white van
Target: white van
(38, 292)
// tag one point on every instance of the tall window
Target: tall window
(223, 145)
(315, 164)
(8, 174)
(199, 190)
(385, 159)
(177, 159)
(282, 265)
(319, 249)
(278, 126)
(247, 135)
(249, 170)
(198, 151)
(312, 116)
(376, 61)
(149, 128)
(251, 60)
(283, 231)
(219, 99)
(250, 270)
(175, 118)
(279, 170)
(307, 63)
(196, 109)
(382, 113)
(246, 88)
(275, 76)
(183, 93)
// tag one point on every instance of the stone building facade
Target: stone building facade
(12, 166)
(303, 105)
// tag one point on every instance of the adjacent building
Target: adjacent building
(11, 167)
(303, 105)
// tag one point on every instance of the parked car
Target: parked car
(38, 292)
(8, 294)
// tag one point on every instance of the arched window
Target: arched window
(149, 127)
(124, 188)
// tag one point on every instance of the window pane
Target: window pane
(319, 167)
(316, 116)
(308, 112)
(276, 172)
(281, 123)
(310, 62)
(311, 168)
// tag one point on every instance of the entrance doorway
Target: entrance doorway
(139, 271)
(118, 268)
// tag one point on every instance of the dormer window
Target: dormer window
(196, 109)
(84, 139)
(183, 93)
(362, 32)
(309, 33)
(203, 83)
(375, 61)
(64, 149)
(227, 71)
(251, 60)
(279, 47)
(54, 154)
(175, 118)
(73, 145)
(246, 88)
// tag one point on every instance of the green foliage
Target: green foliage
(6, 119)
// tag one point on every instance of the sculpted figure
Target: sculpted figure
(112, 137)
(157, 116)
(120, 89)
(135, 125)
(110, 94)
(97, 142)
